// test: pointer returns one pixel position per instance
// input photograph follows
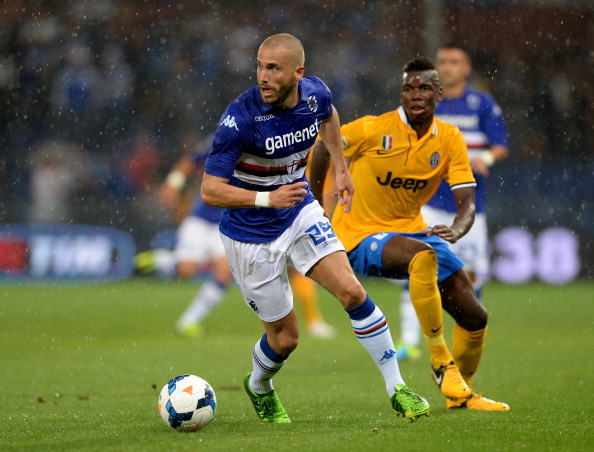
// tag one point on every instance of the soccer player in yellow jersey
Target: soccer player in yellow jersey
(398, 160)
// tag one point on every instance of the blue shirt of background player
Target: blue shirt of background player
(199, 209)
(479, 118)
(241, 152)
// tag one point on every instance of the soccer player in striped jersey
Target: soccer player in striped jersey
(199, 247)
(398, 160)
(256, 173)
(480, 119)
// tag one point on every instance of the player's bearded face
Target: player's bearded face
(419, 95)
(277, 77)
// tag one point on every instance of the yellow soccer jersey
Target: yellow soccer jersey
(395, 174)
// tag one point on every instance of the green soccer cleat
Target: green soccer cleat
(145, 262)
(406, 351)
(408, 403)
(268, 406)
(192, 330)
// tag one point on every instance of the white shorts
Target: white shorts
(473, 248)
(260, 269)
(198, 241)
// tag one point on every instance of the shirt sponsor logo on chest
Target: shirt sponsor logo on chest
(277, 142)
(398, 182)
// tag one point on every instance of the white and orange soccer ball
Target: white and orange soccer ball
(187, 403)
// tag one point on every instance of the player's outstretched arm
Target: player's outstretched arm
(482, 163)
(330, 135)
(464, 217)
(171, 189)
(217, 192)
(319, 165)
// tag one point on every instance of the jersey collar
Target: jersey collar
(404, 119)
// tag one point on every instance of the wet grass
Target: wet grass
(81, 369)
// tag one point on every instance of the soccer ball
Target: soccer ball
(187, 403)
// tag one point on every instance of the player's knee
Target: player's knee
(221, 272)
(351, 294)
(481, 316)
(473, 316)
(423, 267)
(459, 299)
(476, 321)
(286, 344)
(187, 270)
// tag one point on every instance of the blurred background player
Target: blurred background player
(480, 119)
(199, 249)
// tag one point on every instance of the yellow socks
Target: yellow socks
(306, 293)
(467, 349)
(426, 299)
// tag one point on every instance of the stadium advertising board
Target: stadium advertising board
(518, 255)
(552, 255)
(33, 253)
(75, 252)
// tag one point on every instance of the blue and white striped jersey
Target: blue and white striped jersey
(479, 118)
(260, 147)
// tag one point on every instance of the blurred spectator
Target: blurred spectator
(75, 94)
(117, 88)
(93, 72)
(142, 163)
(58, 173)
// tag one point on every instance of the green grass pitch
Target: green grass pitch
(81, 369)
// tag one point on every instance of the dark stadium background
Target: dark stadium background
(154, 73)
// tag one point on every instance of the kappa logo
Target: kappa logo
(229, 121)
(388, 354)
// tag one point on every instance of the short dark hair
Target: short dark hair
(451, 45)
(419, 64)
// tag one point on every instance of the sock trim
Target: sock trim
(377, 327)
(219, 285)
(260, 364)
(269, 352)
(362, 311)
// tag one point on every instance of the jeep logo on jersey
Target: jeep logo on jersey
(434, 160)
(398, 182)
(289, 139)
(229, 121)
(312, 103)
